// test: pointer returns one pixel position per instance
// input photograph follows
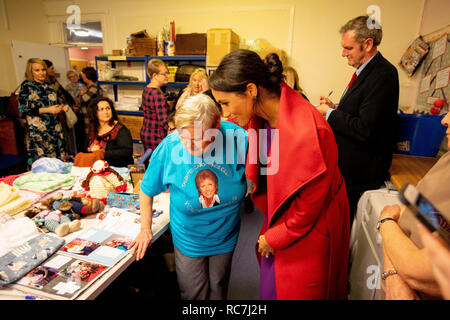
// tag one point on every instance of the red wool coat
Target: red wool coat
(305, 202)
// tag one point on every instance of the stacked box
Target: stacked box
(144, 46)
(190, 44)
(219, 43)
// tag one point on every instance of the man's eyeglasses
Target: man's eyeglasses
(165, 74)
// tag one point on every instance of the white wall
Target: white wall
(22, 20)
(306, 30)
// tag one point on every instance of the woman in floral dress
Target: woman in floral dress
(39, 105)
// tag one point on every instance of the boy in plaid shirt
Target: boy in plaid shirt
(154, 105)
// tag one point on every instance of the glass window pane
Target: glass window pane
(87, 32)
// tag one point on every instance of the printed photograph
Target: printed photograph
(207, 185)
(39, 277)
(80, 246)
(118, 242)
(83, 270)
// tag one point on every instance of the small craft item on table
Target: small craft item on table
(11, 202)
(137, 172)
(102, 180)
(123, 200)
(44, 182)
(50, 165)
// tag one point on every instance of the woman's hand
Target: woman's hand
(439, 254)
(140, 244)
(65, 107)
(390, 212)
(263, 248)
(55, 109)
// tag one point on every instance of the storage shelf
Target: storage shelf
(121, 58)
(130, 113)
(125, 83)
(164, 58)
(135, 118)
(128, 83)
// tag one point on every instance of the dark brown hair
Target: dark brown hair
(241, 67)
(90, 73)
(93, 117)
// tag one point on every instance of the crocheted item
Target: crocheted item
(45, 182)
(103, 180)
(10, 200)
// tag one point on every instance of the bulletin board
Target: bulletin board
(435, 76)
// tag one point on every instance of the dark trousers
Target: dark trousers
(203, 278)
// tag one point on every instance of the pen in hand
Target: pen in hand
(331, 92)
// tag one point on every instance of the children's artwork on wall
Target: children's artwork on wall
(435, 76)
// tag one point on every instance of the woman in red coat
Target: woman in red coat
(304, 241)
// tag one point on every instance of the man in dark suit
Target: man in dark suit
(364, 120)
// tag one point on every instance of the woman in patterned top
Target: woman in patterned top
(154, 105)
(38, 103)
(87, 94)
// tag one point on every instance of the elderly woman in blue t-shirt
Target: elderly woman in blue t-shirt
(204, 237)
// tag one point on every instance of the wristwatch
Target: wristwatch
(379, 223)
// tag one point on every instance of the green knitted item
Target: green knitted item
(44, 182)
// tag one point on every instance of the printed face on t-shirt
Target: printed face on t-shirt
(208, 188)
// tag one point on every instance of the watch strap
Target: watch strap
(383, 221)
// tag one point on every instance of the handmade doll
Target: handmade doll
(102, 180)
(62, 221)
(79, 205)
(55, 221)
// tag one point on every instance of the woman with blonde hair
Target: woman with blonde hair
(38, 102)
(198, 82)
(291, 79)
(204, 238)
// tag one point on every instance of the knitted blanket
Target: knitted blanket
(10, 200)
(45, 182)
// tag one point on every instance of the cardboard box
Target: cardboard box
(190, 44)
(133, 123)
(219, 43)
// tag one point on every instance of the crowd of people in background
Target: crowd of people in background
(326, 156)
